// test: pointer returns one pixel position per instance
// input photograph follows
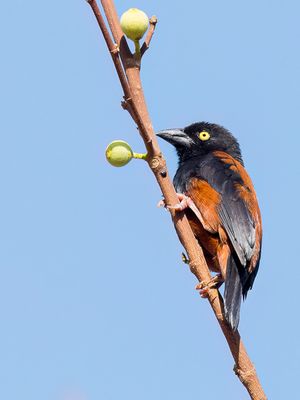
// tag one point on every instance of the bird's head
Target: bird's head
(201, 138)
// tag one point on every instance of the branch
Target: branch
(146, 44)
(129, 75)
(114, 50)
(112, 47)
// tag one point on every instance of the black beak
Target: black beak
(177, 137)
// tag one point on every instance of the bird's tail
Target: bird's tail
(232, 294)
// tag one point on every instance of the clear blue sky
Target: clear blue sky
(94, 300)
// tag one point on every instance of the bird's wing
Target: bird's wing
(229, 200)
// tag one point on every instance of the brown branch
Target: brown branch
(146, 44)
(112, 47)
(114, 50)
(112, 19)
(138, 110)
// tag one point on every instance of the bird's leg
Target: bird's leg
(204, 287)
(184, 203)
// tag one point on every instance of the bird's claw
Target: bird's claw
(184, 203)
(204, 286)
(161, 203)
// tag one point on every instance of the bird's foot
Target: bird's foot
(184, 203)
(214, 283)
(162, 203)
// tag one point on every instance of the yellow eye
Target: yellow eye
(204, 136)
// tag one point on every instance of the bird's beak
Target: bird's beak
(177, 137)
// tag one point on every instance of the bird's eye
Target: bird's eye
(204, 136)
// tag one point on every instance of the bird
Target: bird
(221, 205)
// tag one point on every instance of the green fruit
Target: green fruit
(134, 23)
(118, 153)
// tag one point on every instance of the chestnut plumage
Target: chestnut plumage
(211, 172)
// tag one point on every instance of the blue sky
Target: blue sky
(94, 300)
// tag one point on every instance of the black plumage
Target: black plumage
(211, 172)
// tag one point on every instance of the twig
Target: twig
(113, 20)
(132, 72)
(112, 47)
(138, 110)
(146, 44)
(114, 50)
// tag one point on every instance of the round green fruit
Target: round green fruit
(118, 153)
(134, 23)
